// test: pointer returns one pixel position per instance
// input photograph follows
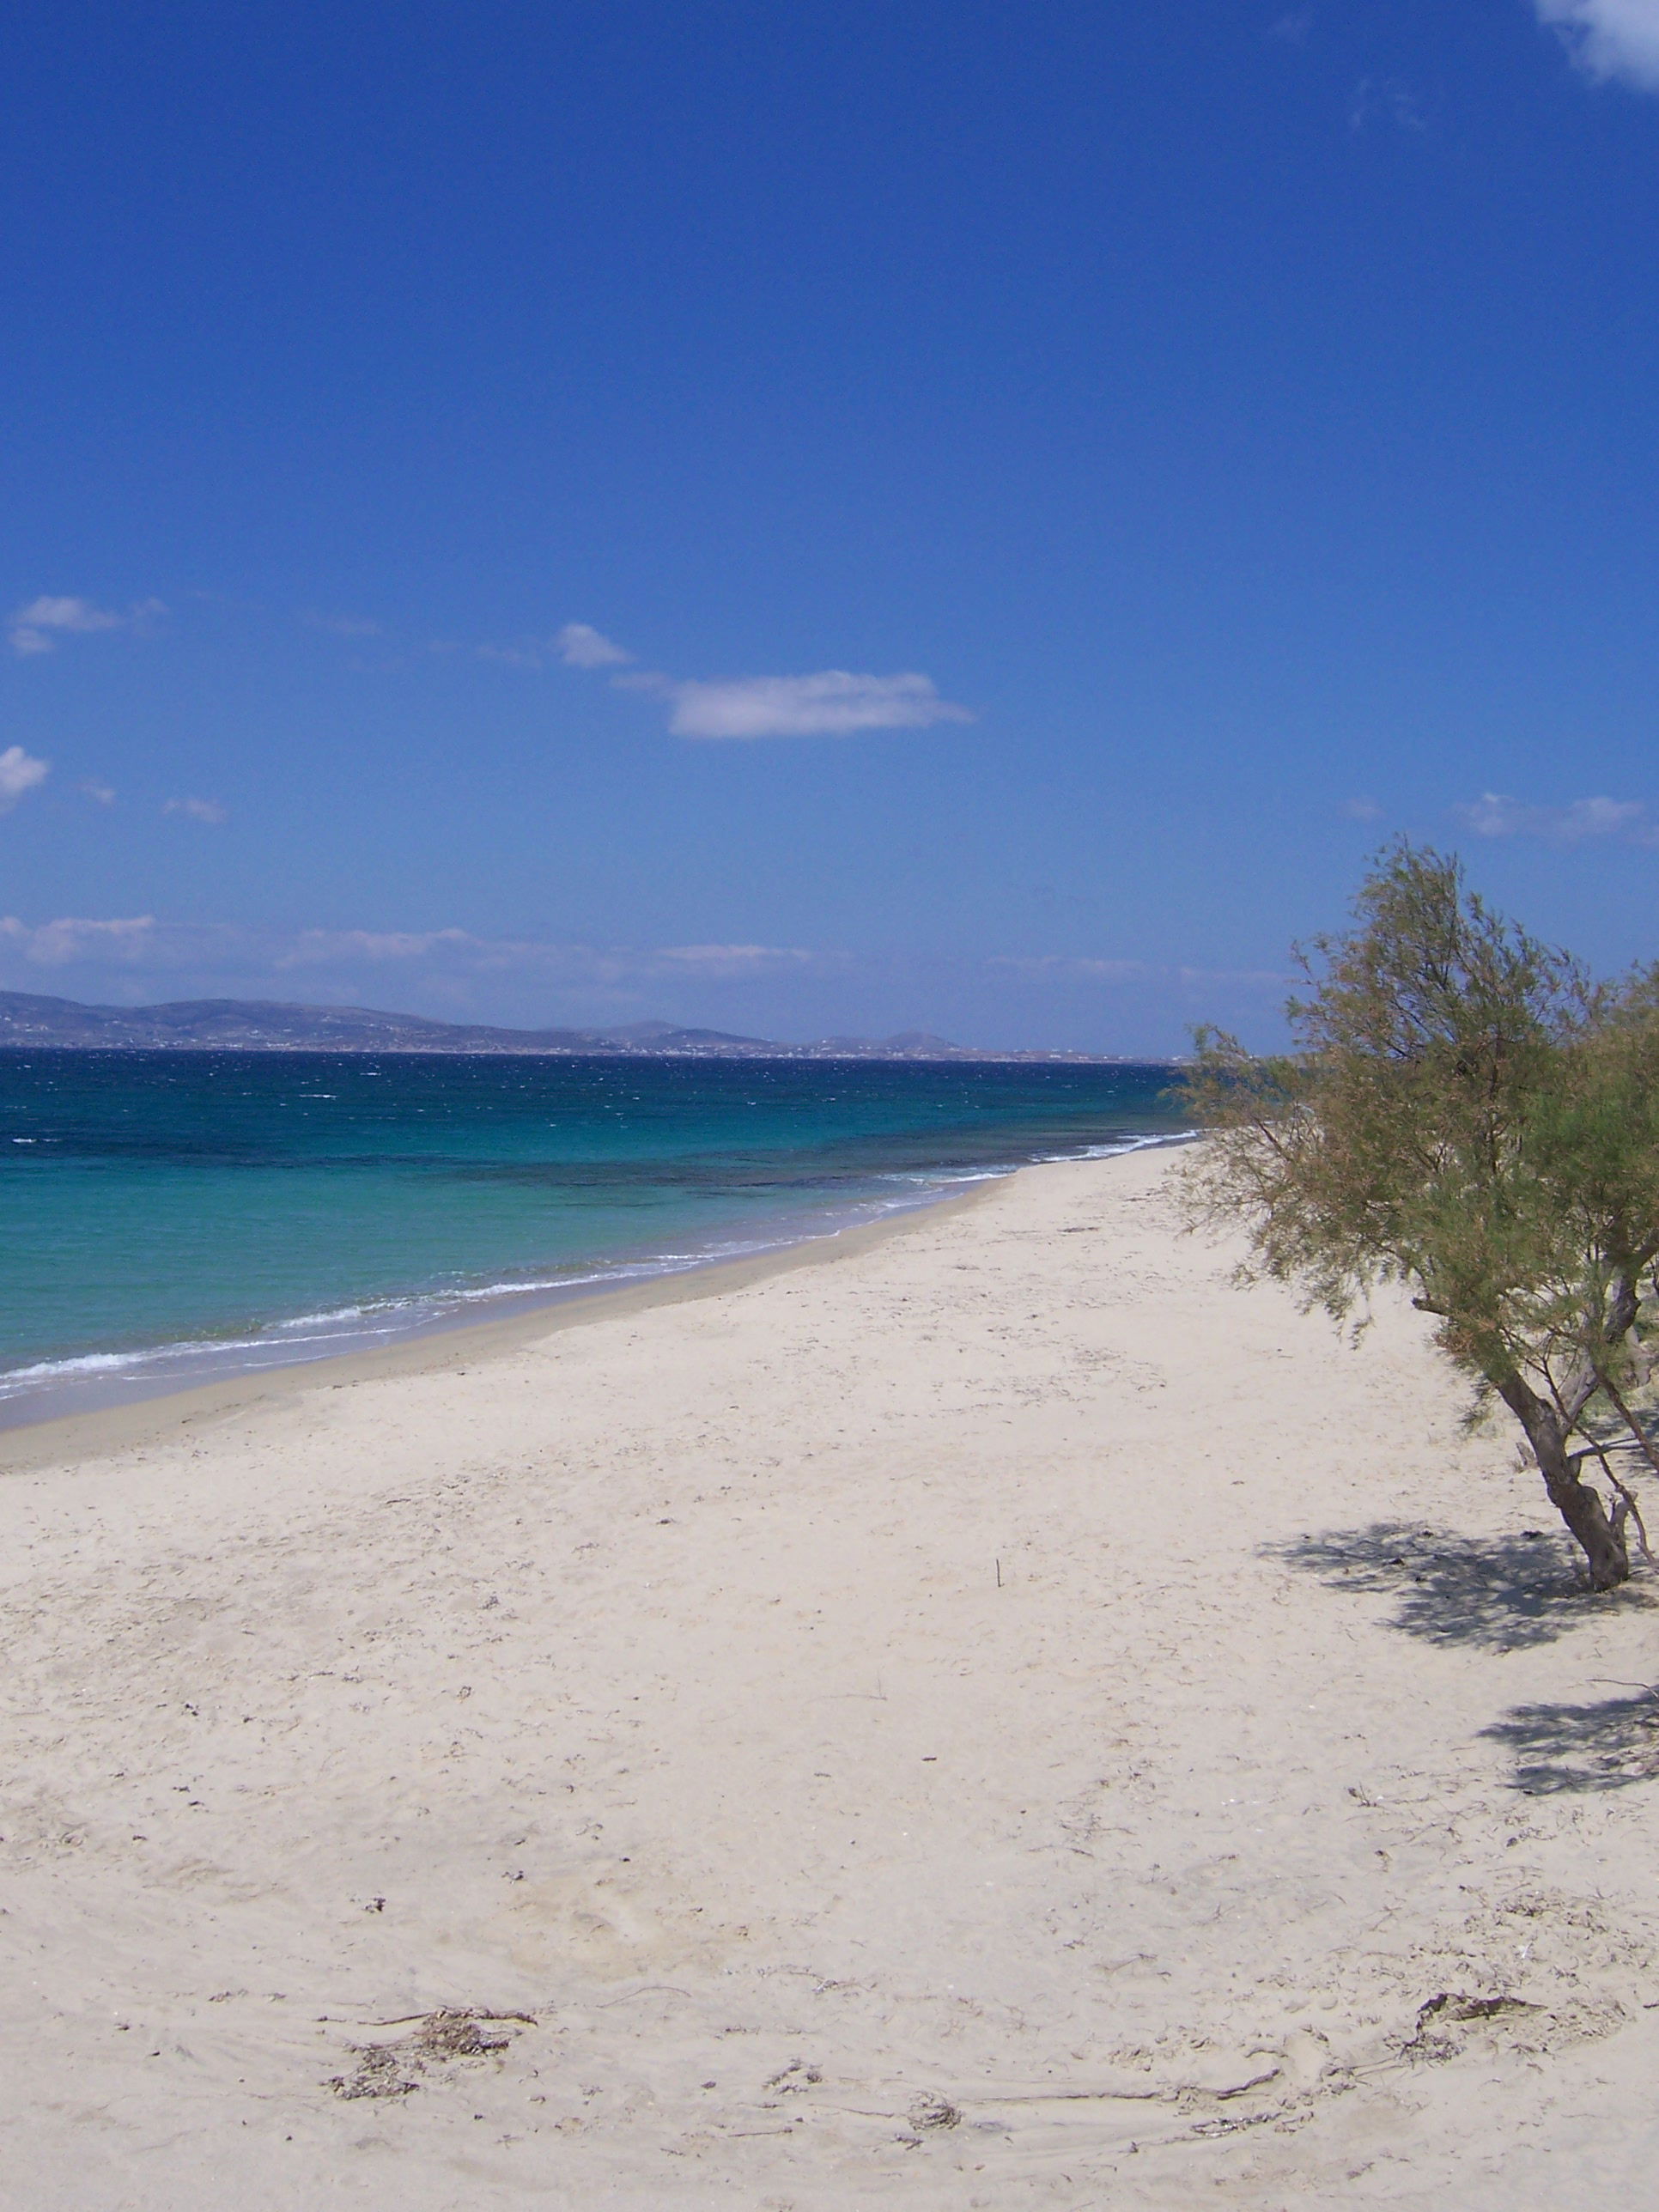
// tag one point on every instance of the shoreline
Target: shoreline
(112, 1395)
(101, 1430)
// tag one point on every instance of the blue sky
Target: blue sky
(818, 518)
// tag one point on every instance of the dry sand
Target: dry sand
(1003, 1720)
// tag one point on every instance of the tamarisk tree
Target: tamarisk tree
(1467, 1115)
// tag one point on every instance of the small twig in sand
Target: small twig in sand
(409, 2019)
(398, 2069)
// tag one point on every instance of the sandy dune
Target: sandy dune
(985, 1722)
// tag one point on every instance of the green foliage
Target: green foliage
(1467, 1114)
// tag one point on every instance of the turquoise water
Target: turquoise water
(166, 1217)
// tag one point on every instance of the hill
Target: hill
(267, 1025)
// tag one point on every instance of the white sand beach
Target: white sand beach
(1003, 1718)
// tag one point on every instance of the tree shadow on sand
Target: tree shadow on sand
(1506, 1593)
(1606, 1746)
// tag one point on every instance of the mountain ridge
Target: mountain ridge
(28, 1019)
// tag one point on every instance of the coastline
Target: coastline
(445, 1344)
(1009, 1718)
(87, 1386)
(168, 1234)
(96, 1379)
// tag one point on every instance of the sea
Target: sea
(169, 1219)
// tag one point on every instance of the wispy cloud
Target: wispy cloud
(1496, 814)
(833, 704)
(456, 973)
(734, 959)
(20, 772)
(1386, 99)
(1077, 967)
(759, 989)
(300, 962)
(1362, 810)
(61, 944)
(372, 958)
(1609, 38)
(44, 622)
(1069, 966)
(1293, 27)
(102, 794)
(459, 949)
(324, 948)
(198, 809)
(579, 645)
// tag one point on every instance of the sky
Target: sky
(819, 520)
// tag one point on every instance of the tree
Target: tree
(1467, 1115)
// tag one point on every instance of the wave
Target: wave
(47, 1387)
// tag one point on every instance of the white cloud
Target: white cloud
(449, 972)
(1496, 814)
(225, 957)
(1362, 810)
(32, 627)
(1609, 38)
(831, 704)
(197, 810)
(18, 772)
(37, 626)
(56, 944)
(733, 959)
(579, 645)
(1493, 815)
(103, 793)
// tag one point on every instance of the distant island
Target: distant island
(265, 1025)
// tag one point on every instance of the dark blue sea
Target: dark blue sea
(168, 1217)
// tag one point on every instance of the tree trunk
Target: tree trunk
(1601, 1540)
